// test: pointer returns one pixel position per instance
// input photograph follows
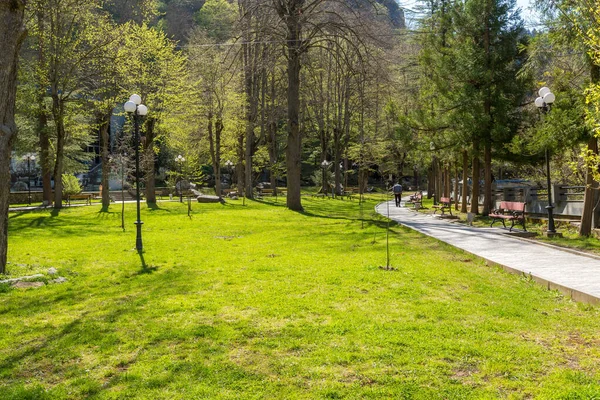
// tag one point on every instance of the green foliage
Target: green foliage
(217, 18)
(133, 10)
(71, 185)
(473, 86)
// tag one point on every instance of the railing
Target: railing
(567, 200)
(570, 193)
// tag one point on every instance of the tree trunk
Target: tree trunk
(7, 137)
(148, 146)
(239, 166)
(465, 185)
(218, 129)
(45, 156)
(475, 190)
(294, 141)
(213, 155)
(487, 186)
(337, 156)
(590, 210)
(272, 139)
(439, 189)
(12, 33)
(59, 122)
(591, 187)
(447, 170)
(250, 58)
(487, 107)
(456, 176)
(105, 143)
(323, 141)
(249, 152)
(430, 182)
(44, 134)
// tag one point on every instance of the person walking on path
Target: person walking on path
(397, 189)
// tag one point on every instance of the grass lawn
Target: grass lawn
(261, 302)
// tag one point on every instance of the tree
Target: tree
(577, 24)
(71, 36)
(306, 22)
(156, 71)
(12, 33)
(477, 81)
(214, 87)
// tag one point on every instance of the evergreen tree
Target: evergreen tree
(486, 88)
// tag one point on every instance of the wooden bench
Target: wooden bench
(272, 192)
(81, 196)
(347, 194)
(350, 192)
(162, 192)
(512, 211)
(444, 204)
(416, 200)
(229, 192)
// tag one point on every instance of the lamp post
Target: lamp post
(135, 107)
(324, 165)
(229, 166)
(544, 104)
(180, 160)
(29, 157)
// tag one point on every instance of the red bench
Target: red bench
(512, 211)
(444, 204)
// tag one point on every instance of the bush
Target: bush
(70, 185)
(20, 186)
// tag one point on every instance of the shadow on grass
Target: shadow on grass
(106, 214)
(28, 351)
(59, 227)
(156, 207)
(329, 209)
(269, 203)
(145, 268)
(19, 214)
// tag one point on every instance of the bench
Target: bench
(444, 204)
(272, 192)
(416, 200)
(512, 211)
(81, 196)
(229, 192)
(162, 192)
(350, 192)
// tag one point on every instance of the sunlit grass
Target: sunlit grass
(258, 301)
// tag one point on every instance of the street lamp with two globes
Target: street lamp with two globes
(29, 157)
(544, 104)
(135, 107)
(180, 160)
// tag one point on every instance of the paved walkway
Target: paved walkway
(573, 273)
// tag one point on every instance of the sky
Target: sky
(529, 16)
